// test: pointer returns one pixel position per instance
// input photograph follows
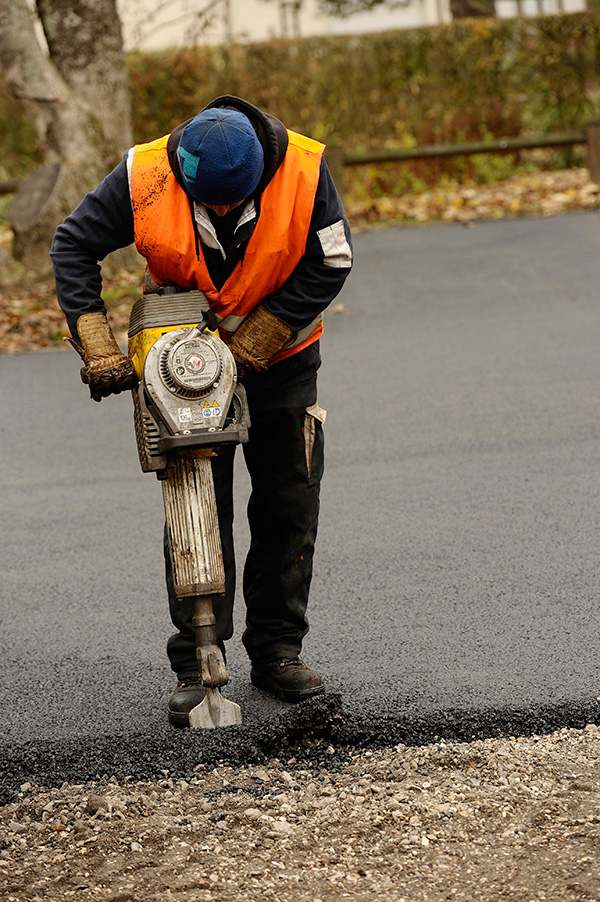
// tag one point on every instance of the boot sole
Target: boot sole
(262, 681)
(178, 720)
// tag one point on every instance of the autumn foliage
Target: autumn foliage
(468, 80)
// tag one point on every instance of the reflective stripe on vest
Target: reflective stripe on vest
(165, 232)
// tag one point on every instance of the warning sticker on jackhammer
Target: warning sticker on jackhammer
(211, 410)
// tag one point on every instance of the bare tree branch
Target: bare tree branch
(202, 17)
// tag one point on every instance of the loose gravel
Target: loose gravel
(511, 818)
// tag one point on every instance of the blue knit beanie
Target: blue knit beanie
(220, 157)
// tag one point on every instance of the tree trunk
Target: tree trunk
(77, 97)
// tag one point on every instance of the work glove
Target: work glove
(107, 370)
(257, 340)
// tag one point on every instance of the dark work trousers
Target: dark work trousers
(283, 512)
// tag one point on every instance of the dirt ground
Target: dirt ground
(511, 818)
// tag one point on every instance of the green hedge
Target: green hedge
(468, 80)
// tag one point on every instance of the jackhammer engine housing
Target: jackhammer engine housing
(188, 395)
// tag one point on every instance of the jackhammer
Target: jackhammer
(187, 404)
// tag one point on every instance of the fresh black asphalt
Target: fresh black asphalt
(456, 581)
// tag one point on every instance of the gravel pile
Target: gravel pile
(513, 818)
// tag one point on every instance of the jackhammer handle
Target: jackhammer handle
(209, 321)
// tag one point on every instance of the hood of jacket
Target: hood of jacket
(271, 133)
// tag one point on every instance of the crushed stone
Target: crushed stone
(504, 818)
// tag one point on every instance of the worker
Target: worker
(233, 204)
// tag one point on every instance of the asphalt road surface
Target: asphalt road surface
(456, 583)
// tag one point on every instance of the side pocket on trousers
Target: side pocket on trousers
(312, 416)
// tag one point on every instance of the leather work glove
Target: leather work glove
(257, 340)
(107, 370)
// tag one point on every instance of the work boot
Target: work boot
(188, 693)
(287, 678)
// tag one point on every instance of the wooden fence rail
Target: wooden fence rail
(8, 187)
(337, 159)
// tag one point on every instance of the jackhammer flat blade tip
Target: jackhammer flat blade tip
(215, 711)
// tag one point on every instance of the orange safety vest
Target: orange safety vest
(165, 232)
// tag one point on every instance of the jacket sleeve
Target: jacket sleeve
(102, 223)
(319, 276)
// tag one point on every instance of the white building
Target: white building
(151, 24)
